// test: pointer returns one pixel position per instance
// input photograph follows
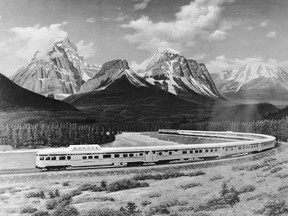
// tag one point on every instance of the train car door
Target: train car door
(150, 156)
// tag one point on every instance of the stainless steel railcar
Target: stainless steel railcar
(94, 155)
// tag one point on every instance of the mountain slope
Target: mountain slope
(172, 72)
(60, 72)
(14, 98)
(256, 82)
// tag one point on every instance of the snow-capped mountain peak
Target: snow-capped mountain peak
(59, 71)
(256, 81)
(170, 71)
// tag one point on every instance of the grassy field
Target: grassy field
(261, 186)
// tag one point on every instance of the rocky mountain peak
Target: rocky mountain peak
(61, 71)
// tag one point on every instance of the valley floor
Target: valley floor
(259, 182)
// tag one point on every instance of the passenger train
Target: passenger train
(94, 155)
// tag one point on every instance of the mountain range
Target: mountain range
(165, 86)
(254, 83)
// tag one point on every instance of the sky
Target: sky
(223, 34)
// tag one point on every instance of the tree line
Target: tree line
(37, 135)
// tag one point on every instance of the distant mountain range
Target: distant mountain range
(166, 86)
(254, 83)
(16, 98)
(60, 72)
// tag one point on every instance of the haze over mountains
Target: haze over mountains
(254, 83)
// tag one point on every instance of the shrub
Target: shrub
(91, 187)
(283, 187)
(130, 209)
(28, 210)
(75, 192)
(156, 210)
(217, 177)
(51, 204)
(51, 194)
(276, 169)
(64, 200)
(40, 213)
(191, 185)
(273, 208)
(103, 184)
(104, 212)
(125, 184)
(158, 176)
(65, 184)
(39, 194)
(247, 188)
(145, 203)
(154, 195)
(57, 193)
(197, 173)
(65, 211)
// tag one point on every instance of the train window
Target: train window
(41, 158)
(206, 150)
(106, 156)
(47, 158)
(211, 150)
(125, 155)
(196, 151)
(62, 158)
(116, 155)
(239, 147)
(200, 151)
(68, 157)
(170, 153)
(96, 157)
(141, 154)
(90, 157)
(191, 151)
(131, 155)
(53, 158)
(84, 157)
(184, 152)
(226, 149)
(154, 152)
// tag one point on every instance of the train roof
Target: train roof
(75, 149)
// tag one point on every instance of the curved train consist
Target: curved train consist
(93, 155)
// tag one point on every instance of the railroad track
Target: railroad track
(180, 165)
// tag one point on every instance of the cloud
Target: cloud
(3, 47)
(222, 63)
(271, 34)
(90, 20)
(105, 18)
(250, 28)
(85, 49)
(142, 5)
(199, 19)
(121, 17)
(199, 57)
(218, 35)
(37, 38)
(264, 23)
